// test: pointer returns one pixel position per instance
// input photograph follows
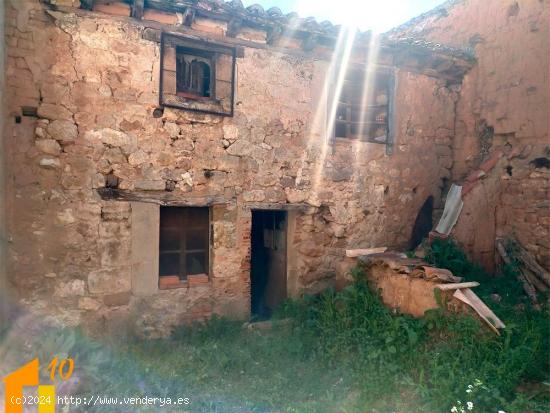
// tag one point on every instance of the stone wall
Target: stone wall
(94, 82)
(3, 232)
(503, 105)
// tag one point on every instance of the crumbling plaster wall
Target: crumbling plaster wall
(503, 104)
(95, 83)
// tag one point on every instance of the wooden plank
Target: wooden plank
(365, 251)
(483, 307)
(177, 39)
(502, 252)
(533, 279)
(528, 288)
(457, 286)
(276, 206)
(533, 265)
(467, 296)
(533, 272)
(160, 197)
(137, 9)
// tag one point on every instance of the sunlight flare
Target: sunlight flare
(331, 95)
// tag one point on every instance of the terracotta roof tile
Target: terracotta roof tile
(274, 15)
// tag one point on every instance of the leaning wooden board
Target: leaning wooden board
(469, 297)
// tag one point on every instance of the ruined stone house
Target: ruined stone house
(166, 160)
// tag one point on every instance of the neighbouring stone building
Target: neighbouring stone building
(170, 160)
(503, 106)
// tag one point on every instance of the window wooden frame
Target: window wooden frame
(182, 226)
(214, 105)
(349, 111)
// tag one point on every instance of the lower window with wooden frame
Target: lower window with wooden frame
(184, 246)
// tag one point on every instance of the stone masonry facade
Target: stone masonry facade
(82, 90)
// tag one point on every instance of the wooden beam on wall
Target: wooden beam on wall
(160, 197)
(137, 9)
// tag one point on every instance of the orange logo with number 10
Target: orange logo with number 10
(28, 376)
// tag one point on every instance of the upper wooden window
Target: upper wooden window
(184, 241)
(363, 106)
(197, 75)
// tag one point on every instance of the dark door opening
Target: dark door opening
(268, 261)
(423, 223)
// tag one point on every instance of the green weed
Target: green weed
(343, 352)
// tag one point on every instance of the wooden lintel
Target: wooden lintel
(154, 35)
(272, 206)
(160, 197)
(137, 9)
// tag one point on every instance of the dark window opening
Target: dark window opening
(193, 73)
(184, 241)
(363, 106)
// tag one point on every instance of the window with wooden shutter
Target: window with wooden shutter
(184, 242)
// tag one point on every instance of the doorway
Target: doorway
(423, 223)
(268, 261)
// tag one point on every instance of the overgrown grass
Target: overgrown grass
(343, 352)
